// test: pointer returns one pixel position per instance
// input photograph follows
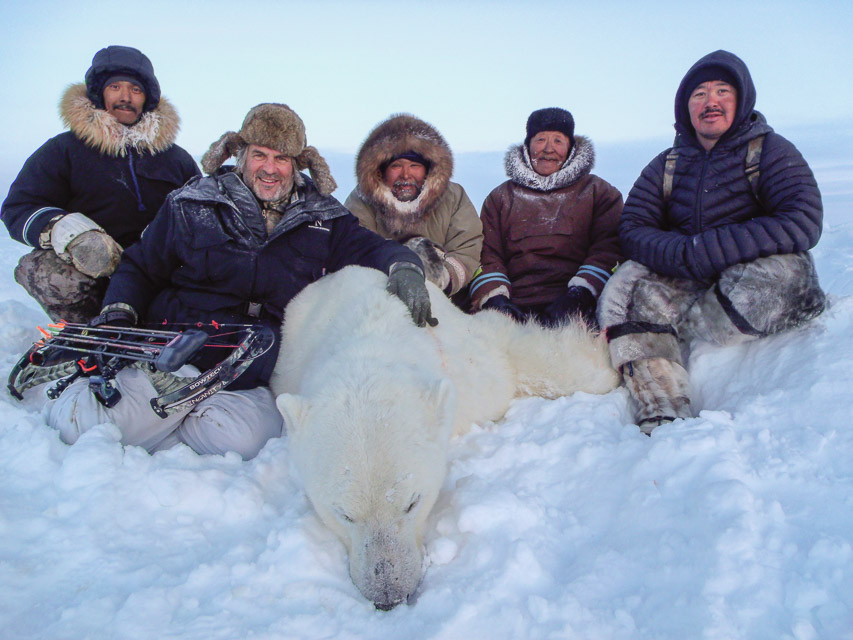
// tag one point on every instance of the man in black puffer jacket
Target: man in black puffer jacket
(717, 230)
(233, 247)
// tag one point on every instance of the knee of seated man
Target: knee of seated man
(239, 421)
(774, 293)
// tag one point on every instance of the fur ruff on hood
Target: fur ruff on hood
(520, 170)
(396, 135)
(154, 132)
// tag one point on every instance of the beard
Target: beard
(406, 190)
(269, 195)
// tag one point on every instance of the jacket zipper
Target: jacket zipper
(698, 217)
(141, 206)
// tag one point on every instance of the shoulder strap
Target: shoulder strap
(668, 173)
(753, 160)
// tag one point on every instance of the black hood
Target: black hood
(743, 83)
(117, 60)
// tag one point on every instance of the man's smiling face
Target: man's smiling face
(712, 106)
(268, 173)
(124, 100)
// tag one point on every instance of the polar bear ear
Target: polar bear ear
(444, 400)
(293, 409)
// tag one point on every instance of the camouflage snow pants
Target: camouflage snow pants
(649, 318)
(62, 291)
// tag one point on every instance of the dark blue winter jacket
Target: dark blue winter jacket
(122, 194)
(207, 255)
(118, 176)
(712, 220)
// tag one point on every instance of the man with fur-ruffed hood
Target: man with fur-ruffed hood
(404, 193)
(87, 193)
(233, 247)
(550, 231)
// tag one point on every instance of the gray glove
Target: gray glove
(406, 281)
(80, 241)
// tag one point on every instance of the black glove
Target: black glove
(406, 281)
(506, 306)
(115, 317)
(576, 301)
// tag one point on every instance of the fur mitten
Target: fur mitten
(80, 241)
(433, 256)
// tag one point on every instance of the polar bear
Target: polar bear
(370, 402)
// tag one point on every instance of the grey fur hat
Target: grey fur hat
(275, 126)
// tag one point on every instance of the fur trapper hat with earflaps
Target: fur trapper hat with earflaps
(275, 126)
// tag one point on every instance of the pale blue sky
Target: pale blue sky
(474, 69)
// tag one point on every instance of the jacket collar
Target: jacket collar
(579, 163)
(225, 186)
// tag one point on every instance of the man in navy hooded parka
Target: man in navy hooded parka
(87, 193)
(717, 231)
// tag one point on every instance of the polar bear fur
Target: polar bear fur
(370, 402)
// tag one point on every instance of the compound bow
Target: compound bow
(105, 350)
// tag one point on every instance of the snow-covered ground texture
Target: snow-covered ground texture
(560, 521)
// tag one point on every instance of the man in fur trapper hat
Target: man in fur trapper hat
(404, 193)
(234, 248)
(90, 191)
(550, 230)
(717, 231)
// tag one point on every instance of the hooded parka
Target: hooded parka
(442, 212)
(116, 175)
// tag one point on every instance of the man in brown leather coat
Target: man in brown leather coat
(550, 231)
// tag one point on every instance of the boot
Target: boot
(661, 389)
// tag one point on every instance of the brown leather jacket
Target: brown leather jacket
(542, 232)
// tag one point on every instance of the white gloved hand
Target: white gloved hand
(80, 241)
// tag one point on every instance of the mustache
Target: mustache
(405, 183)
(710, 110)
(553, 157)
(125, 106)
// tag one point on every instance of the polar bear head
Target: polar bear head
(372, 456)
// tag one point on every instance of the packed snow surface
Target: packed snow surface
(560, 521)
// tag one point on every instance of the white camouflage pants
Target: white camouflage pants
(240, 421)
(649, 319)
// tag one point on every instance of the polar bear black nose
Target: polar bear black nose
(390, 594)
